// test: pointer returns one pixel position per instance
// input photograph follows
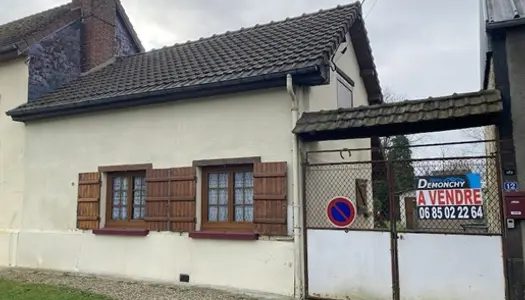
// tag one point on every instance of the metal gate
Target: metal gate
(422, 228)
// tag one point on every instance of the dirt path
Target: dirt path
(119, 289)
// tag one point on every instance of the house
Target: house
(179, 164)
(503, 42)
(41, 53)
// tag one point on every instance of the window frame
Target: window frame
(230, 225)
(130, 223)
(348, 86)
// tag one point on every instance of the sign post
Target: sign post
(449, 197)
(341, 212)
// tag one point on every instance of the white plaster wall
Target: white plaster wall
(261, 266)
(167, 135)
(324, 97)
(325, 183)
(349, 265)
(440, 266)
(13, 92)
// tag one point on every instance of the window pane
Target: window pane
(223, 213)
(116, 183)
(248, 213)
(116, 197)
(213, 197)
(248, 195)
(239, 196)
(248, 179)
(344, 95)
(223, 197)
(124, 183)
(223, 180)
(213, 180)
(239, 179)
(138, 198)
(137, 213)
(239, 213)
(124, 197)
(115, 213)
(139, 183)
(212, 213)
(123, 213)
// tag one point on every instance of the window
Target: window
(344, 94)
(227, 195)
(126, 199)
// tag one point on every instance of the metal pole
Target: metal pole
(393, 230)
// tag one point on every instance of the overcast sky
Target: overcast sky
(422, 48)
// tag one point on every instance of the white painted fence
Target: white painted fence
(357, 265)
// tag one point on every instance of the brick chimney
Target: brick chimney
(98, 32)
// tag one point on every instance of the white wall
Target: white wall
(324, 97)
(357, 265)
(441, 266)
(349, 265)
(325, 183)
(167, 135)
(13, 92)
(260, 266)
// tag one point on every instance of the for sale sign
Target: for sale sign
(449, 197)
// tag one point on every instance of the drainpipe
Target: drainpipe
(298, 246)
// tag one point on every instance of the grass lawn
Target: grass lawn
(11, 290)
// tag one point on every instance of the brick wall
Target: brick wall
(98, 32)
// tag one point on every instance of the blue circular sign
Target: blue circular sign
(341, 212)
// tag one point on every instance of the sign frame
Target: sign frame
(333, 203)
(449, 197)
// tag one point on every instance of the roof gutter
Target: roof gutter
(168, 95)
(491, 26)
(8, 49)
(8, 52)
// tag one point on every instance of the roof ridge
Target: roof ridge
(357, 4)
(37, 13)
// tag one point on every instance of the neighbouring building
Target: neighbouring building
(503, 45)
(179, 164)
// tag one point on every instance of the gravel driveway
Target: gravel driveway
(119, 289)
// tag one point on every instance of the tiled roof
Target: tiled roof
(405, 113)
(16, 31)
(254, 54)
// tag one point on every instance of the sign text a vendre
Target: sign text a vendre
(449, 197)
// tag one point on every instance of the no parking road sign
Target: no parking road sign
(341, 212)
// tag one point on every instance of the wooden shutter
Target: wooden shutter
(270, 191)
(170, 199)
(361, 186)
(88, 207)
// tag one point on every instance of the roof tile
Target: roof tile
(15, 31)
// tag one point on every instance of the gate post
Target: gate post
(393, 229)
